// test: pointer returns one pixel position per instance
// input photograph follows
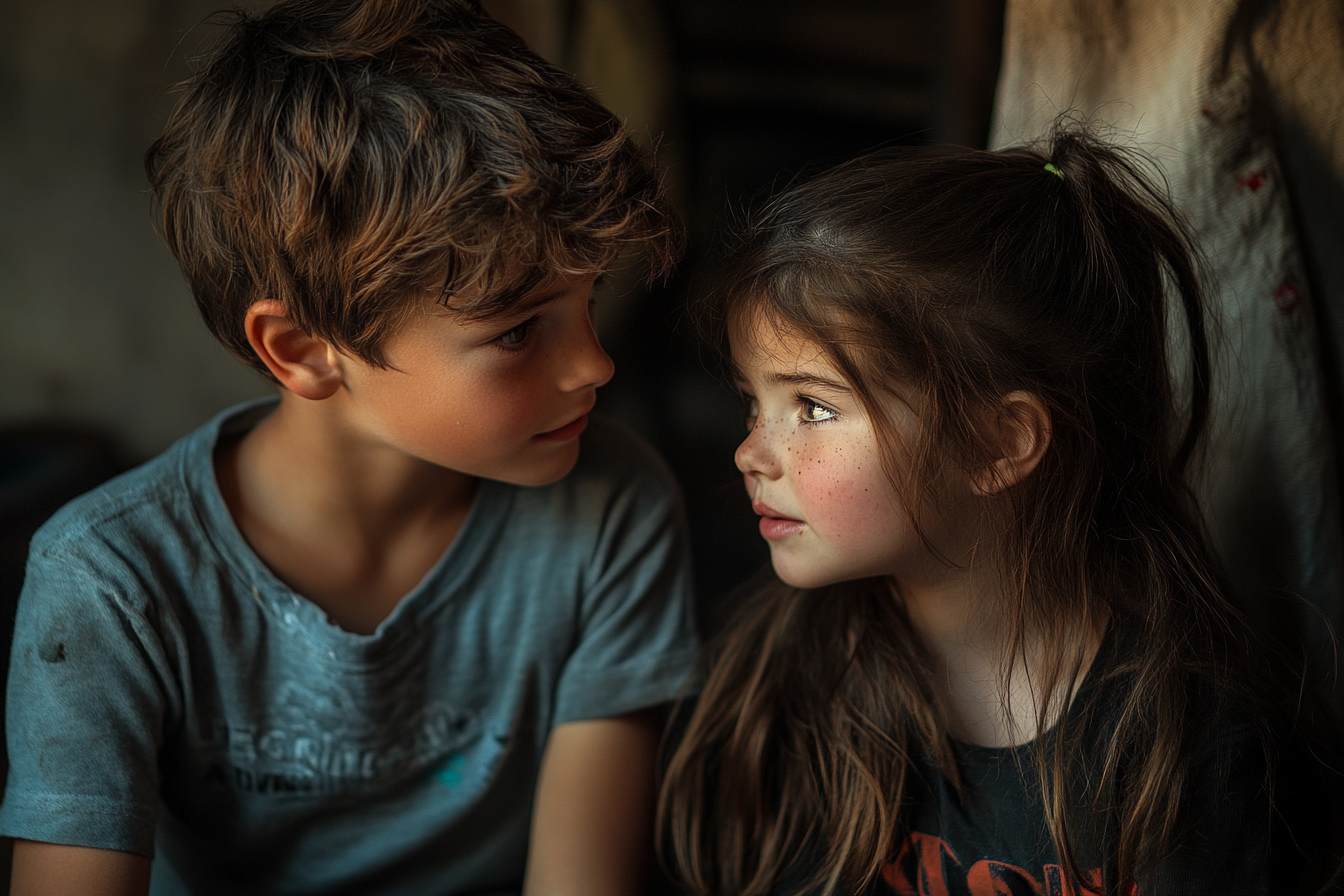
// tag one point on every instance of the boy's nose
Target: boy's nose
(589, 366)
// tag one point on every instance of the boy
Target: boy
(389, 634)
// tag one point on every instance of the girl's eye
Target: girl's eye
(517, 336)
(815, 413)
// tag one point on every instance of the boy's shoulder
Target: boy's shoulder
(168, 513)
(157, 507)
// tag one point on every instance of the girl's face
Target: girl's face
(813, 469)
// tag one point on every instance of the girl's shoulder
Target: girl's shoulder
(1261, 769)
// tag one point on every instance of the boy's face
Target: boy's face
(503, 398)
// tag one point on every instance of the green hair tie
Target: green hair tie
(1049, 166)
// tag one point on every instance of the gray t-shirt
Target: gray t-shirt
(166, 689)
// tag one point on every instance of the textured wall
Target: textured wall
(96, 323)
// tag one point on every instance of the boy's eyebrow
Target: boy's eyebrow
(545, 297)
(532, 304)
(522, 307)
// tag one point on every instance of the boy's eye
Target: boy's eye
(518, 335)
(815, 413)
(752, 412)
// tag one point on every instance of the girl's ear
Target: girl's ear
(1020, 429)
(304, 364)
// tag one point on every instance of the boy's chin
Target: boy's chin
(555, 469)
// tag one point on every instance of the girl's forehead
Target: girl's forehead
(758, 339)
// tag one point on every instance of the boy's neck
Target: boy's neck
(350, 525)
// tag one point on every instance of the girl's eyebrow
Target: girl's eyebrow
(807, 379)
(797, 380)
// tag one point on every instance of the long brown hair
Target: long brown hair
(965, 275)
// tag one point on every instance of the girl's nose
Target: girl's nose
(755, 454)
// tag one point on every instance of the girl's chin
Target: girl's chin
(813, 572)
(790, 573)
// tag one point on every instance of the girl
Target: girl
(999, 658)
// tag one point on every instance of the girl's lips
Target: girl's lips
(566, 432)
(775, 527)
(773, 524)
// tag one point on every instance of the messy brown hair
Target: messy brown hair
(347, 156)
(962, 276)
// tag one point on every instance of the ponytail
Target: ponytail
(1102, 180)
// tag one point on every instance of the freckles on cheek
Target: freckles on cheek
(840, 499)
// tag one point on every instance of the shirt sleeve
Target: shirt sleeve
(637, 644)
(85, 711)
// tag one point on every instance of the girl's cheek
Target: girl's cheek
(843, 489)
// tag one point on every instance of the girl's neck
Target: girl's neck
(988, 681)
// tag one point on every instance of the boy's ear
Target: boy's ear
(304, 364)
(1020, 428)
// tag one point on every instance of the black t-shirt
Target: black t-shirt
(1232, 838)
(992, 839)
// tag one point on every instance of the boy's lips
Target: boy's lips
(775, 525)
(569, 431)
